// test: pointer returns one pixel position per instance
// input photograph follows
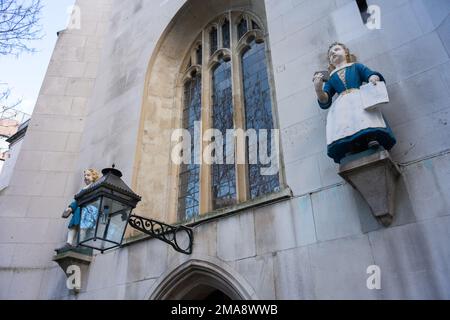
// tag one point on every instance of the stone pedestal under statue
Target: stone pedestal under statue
(374, 174)
(75, 264)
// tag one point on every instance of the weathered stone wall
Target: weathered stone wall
(317, 245)
(46, 174)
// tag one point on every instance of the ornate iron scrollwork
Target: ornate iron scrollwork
(181, 238)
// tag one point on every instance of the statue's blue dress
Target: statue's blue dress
(349, 126)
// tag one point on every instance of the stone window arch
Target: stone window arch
(236, 93)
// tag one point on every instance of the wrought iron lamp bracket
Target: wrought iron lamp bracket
(165, 232)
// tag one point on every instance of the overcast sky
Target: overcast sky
(25, 74)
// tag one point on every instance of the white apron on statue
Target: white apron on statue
(347, 117)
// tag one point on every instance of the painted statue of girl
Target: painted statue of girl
(350, 128)
(81, 221)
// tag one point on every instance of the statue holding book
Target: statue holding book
(354, 122)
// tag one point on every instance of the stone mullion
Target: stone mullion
(205, 169)
(193, 57)
(242, 182)
(219, 35)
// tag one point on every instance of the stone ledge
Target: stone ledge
(284, 194)
(80, 257)
(374, 175)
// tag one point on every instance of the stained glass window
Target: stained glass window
(189, 182)
(199, 55)
(258, 114)
(256, 104)
(213, 40)
(242, 28)
(255, 26)
(223, 175)
(226, 34)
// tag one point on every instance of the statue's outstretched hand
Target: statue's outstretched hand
(374, 79)
(66, 214)
(318, 84)
(318, 81)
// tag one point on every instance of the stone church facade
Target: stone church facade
(115, 91)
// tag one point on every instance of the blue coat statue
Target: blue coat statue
(83, 219)
(350, 128)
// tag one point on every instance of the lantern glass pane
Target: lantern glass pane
(89, 216)
(101, 245)
(113, 220)
(118, 223)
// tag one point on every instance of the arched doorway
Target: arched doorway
(202, 280)
(202, 287)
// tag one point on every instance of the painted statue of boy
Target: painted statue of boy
(81, 221)
(350, 128)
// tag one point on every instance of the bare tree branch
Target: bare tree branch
(19, 24)
(7, 109)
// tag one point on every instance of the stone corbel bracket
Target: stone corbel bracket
(75, 264)
(375, 176)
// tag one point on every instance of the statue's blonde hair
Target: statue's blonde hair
(348, 56)
(95, 174)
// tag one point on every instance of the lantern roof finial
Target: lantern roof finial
(113, 171)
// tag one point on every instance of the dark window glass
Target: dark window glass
(189, 182)
(258, 114)
(255, 25)
(242, 28)
(363, 9)
(213, 40)
(362, 5)
(223, 175)
(199, 55)
(226, 34)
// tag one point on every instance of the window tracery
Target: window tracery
(232, 92)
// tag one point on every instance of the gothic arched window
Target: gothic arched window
(242, 27)
(226, 36)
(189, 177)
(258, 114)
(213, 41)
(223, 175)
(230, 91)
(199, 54)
